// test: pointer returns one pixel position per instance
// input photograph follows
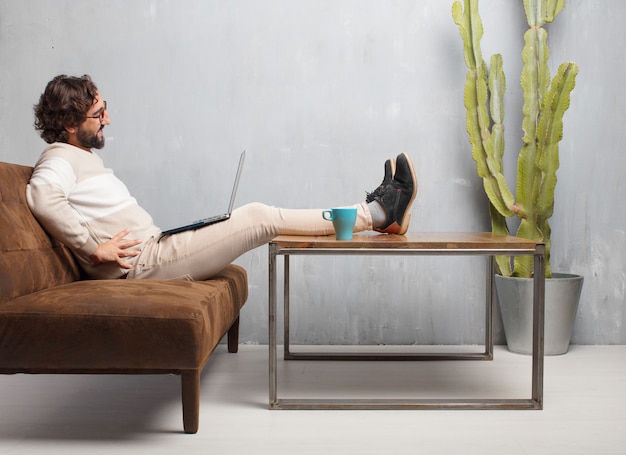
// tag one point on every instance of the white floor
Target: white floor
(584, 409)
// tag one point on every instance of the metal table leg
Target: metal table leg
(273, 380)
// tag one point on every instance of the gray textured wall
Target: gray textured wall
(320, 92)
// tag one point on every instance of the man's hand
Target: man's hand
(116, 249)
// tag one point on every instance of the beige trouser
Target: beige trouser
(200, 254)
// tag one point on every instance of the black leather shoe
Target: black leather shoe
(397, 197)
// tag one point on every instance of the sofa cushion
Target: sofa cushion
(120, 324)
(29, 259)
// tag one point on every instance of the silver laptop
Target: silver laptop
(217, 218)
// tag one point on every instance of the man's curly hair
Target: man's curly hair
(63, 104)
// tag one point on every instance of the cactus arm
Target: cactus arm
(475, 93)
(550, 133)
(534, 80)
(540, 12)
(497, 87)
(470, 32)
(553, 8)
(487, 141)
(530, 7)
(501, 197)
(477, 118)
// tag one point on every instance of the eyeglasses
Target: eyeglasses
(100, 114)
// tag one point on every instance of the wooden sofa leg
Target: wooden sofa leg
(233, 336)
(190, 382)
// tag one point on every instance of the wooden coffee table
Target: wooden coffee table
(422, 244)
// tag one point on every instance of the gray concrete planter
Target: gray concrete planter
(515, 297)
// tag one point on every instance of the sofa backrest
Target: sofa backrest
(30, 260)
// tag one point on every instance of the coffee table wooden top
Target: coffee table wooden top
(412, 240)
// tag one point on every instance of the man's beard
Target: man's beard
(90, 141)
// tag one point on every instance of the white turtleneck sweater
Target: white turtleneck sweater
(82, 204)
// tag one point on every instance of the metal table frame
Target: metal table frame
(286, 246)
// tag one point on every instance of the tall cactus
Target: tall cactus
(544, 105)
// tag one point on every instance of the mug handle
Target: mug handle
(327, 215)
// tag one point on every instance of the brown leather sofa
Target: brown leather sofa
(52, 321)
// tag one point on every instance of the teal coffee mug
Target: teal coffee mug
(343, 221)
